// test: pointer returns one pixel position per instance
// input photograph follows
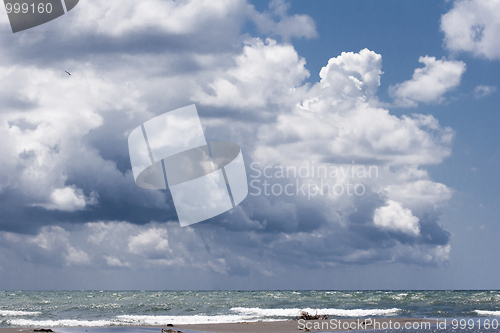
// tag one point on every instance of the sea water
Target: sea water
(138, 308)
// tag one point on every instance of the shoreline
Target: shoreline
(288, 326)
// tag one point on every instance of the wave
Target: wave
(179, 320)
(488, 313)
(10, 313)
(58, 323)
(132, 320)
(241, 314)
(331, 312)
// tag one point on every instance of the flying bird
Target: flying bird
(68, 72)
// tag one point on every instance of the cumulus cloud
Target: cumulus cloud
(352, 74)
(336, 122)
(263, 72)
(473, 26)
(430, 83)
(395, 217)
(51, 246)
(418, 192)
(76, 257)
(116, 245)
(69, 199)
(152, 240)
(48, 163)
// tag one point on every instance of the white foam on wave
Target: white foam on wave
(331, 312)
(179, 320)
(133, 320)
(488, 313)
(243, 314)
(59, 323)
(11, 313)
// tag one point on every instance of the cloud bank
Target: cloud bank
(68, 195)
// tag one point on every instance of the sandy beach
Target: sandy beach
(250, 327)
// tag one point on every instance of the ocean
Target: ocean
(137, 308)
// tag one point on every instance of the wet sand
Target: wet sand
(291, 326)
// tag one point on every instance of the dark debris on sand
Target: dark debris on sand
(306, 316)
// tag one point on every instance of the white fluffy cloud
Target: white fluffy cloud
(396, 218)
(76, 257)
(430, 83)
(69, 199)
(473, 26)
(336, 120)
(265, 72)
(52, 246)
(419, 192)
(351, 75)
(152, 240)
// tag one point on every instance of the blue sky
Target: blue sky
(408, 87)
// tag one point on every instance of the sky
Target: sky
(396, 100)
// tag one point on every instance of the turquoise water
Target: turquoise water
(119, 308)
